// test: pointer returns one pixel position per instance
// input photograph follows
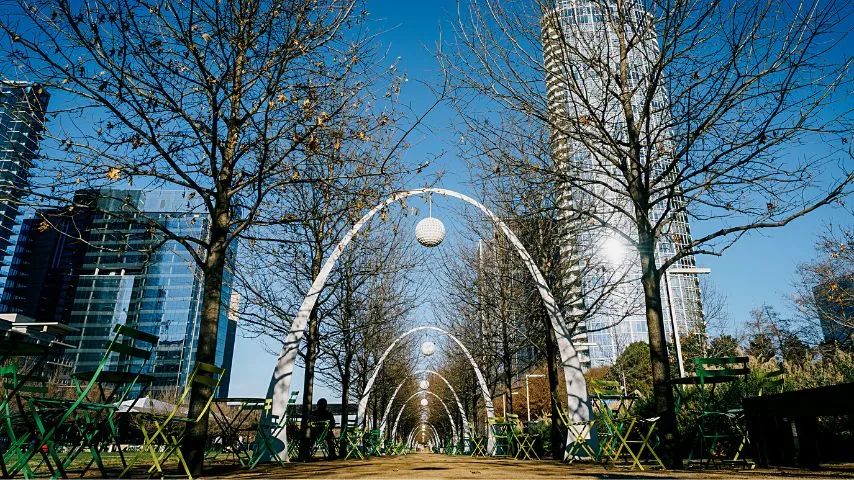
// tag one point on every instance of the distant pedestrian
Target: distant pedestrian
(321, 414)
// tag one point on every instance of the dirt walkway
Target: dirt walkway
(431, 466)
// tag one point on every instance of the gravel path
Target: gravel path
(432, 466)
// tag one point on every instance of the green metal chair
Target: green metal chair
(718, 431)
(579, 448)
(621, 434)
(169, 431)
(319, 431)
(772, 382)
(502, 433)
(90, 420)
(525, 443)
(353, 438)
(477, 443)
(373, 441)
(17, 424)
(266, 436)
(235, 418)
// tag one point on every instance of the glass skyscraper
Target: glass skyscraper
(46, 264)
(22, 110)
(125, 271)
(581, 52)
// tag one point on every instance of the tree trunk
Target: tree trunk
(194, 444)
(506, 356)
(345, 400)
(308, 384)
(662, 389)
(348, 359)
(557, 439)
(473, 415)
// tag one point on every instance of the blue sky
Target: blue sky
(759, 269)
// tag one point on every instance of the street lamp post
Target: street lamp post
(673, 326)
(504, 401)
(528, 392)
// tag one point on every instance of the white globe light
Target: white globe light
(614, 250)
(430, 232)
(424, 384)
(428, 348)
(423, 402)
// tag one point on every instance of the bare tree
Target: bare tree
(375, 293)
(664, 111)
(222, 99)
(531, 205)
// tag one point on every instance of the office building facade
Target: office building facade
(22, 116)
(602, 269)
(122, 270)
(47, 262)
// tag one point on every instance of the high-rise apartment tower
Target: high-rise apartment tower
(581, 57)
(22, 110)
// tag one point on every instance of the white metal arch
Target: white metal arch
(576, 388)
(464, 419)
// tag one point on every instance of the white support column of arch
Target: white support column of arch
(410, 438)
(390, 402)
(465, 421)
(280, 382)
(436, 440)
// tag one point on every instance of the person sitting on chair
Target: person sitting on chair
(321, 414)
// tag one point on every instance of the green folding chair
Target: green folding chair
(353, 438)
(90, 420)
(503, 435)
(477, 442)
(579, 448)
(235, 418)
(770, 382)
(164, 440)
(718, 431)
(525, 442)
(615, 425)
(266, 436)
(373, 441)
(319, 431)
(17, 424)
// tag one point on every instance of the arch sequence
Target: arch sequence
(576, 389)
(465, 422)
(363, 401)
(402, 407)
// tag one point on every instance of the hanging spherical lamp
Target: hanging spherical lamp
(424, 402)
(424, 384)
(430, 232)
(428, 348)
